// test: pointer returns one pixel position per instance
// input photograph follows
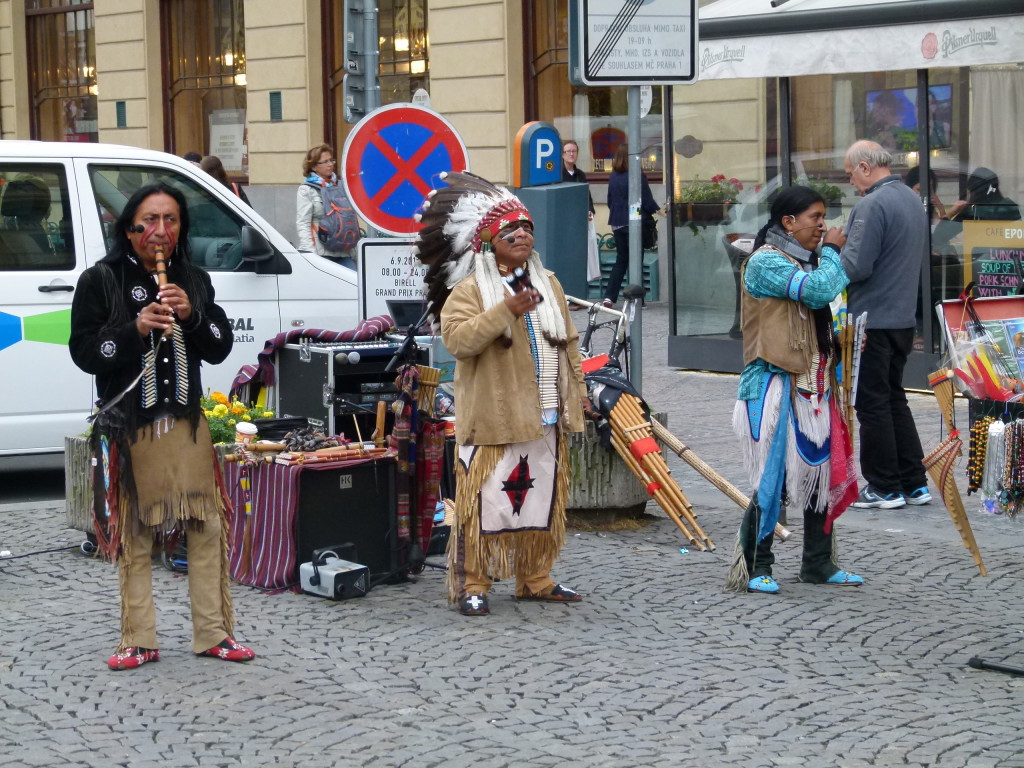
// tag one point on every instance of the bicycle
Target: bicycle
(619, 323)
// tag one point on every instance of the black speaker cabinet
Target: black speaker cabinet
(351, 505)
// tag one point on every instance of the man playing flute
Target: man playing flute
(142, 320)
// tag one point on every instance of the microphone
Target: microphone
(137, 229)
(408, 348)
(975, 663)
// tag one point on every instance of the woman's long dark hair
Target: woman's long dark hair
(213, 166)
(621, 162)
(792, 202)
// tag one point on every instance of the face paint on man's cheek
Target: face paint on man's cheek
(144, 240)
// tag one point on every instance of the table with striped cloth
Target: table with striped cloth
(275, 499)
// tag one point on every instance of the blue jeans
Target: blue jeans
(890, 449)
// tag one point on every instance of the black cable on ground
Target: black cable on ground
(40, 552)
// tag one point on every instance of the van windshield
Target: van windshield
(214, 230)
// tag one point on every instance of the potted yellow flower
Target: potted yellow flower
(223, 414)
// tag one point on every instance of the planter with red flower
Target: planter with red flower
(701, 202)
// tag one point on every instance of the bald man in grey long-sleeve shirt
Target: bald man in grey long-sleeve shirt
(886, 243)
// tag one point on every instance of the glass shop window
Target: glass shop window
(62, 70)
(206, 100)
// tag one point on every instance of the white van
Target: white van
(58, 202)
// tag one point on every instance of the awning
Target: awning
(741, 38)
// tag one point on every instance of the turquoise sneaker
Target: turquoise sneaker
(918, 497)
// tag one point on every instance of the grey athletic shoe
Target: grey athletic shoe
(871, 498)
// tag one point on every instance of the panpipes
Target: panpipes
(943, 458)
(633, 440)
(941, 382)
(846, 384)
(851, 343)
(940, 463)
(429, 378)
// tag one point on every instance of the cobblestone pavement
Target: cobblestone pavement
(657, 667)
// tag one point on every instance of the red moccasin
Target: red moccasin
(229, 650)
(132, 658)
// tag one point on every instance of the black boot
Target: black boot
(757, 554)
(817, 565)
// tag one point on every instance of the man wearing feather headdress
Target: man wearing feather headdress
(519, 390)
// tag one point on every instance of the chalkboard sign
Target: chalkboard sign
(997, 271)
(996, 261)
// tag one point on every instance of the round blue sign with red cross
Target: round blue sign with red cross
(393, 157)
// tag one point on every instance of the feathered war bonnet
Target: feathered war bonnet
(457, 224)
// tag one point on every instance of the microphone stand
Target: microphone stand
(407, 351)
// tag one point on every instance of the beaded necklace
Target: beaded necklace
(976, 453)
(1011, 499)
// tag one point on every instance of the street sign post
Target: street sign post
(360, 84)
(393, 158)
(633, 42)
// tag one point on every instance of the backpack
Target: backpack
(339, 228)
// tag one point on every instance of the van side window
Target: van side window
(35, 218)
(214, 230)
